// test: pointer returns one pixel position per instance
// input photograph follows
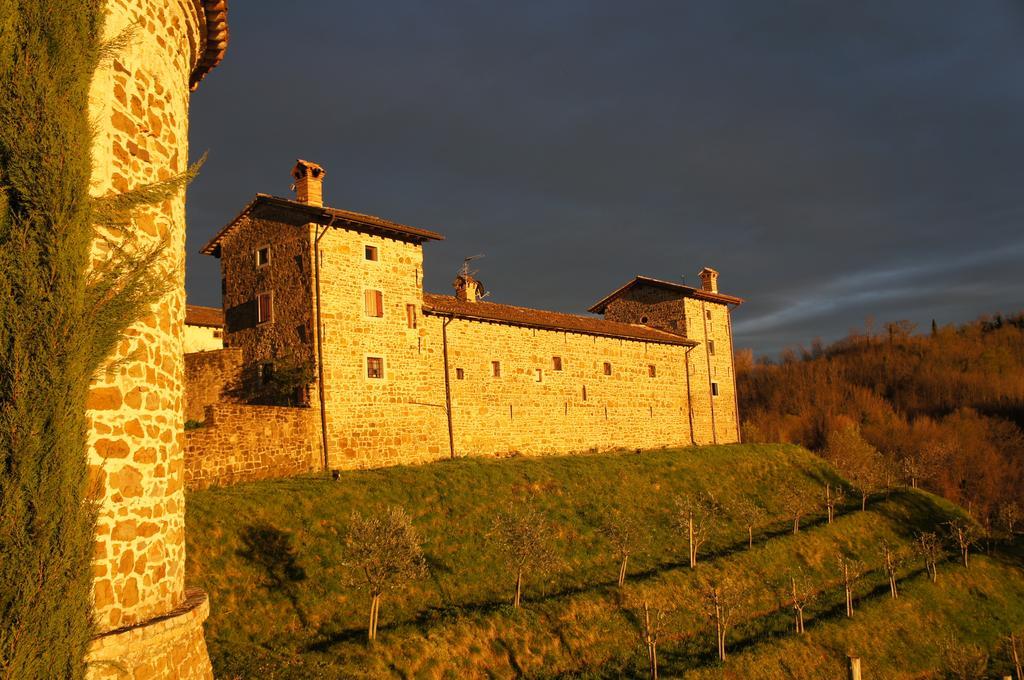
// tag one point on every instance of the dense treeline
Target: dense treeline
(945, 407)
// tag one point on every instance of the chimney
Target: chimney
(309, 182)
(467, 288)
(709, 280)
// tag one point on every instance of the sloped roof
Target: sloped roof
(538, 318)
(687, 291)
(213, 29)
(304, 213)
(204, 316)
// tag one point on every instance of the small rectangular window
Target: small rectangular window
(714, 389)
(540, 375)
(584, 393)
(410, 316)
(711, 347)
(374, 367)
(263, 256)
(556, 363)
(374, 303)
(371, 253)
(300, 330)
(652, 370)
(264, 308)
(218, 333)
(460, 374)
(496, 369)
(607, 368)
(707, 314)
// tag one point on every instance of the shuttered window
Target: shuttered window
(374, 303)
(264, 307)
(410, 316)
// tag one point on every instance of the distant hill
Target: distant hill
(949, 400)
(285, 606)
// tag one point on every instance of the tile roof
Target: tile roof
(204, 316)
(303, 213)
(538, 318)
(213, 26)
(687, 291)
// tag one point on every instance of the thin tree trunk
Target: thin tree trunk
(863, 502)
(828, 502)
(892, 586)
(849, 602)
(796, 524)
(750, 537)
(693, 550)
(622, 570)
(721, 633)
(519, 588)
(374, 609)
(964, 551)
(1016, 657)
(654, 662)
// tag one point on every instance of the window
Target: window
(707, 314)
(266, 373)
(607, 368)
(584, 393)
(410, 315)
(371, 253)
(540, 375)
(374, 303)
(496, 369)
(263, 256)
(300, 330)
(264, 307)
(652, 370)
(711, 347)
(218, 333)
(556, 363)
(374, 367)
(460, 374)
(714, 389)
(643, 319)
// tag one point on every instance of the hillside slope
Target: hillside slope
(269, 556)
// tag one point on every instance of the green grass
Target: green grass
(283, 605)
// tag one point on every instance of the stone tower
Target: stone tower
(149, 625)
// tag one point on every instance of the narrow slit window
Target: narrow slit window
(263, 256)
(264, 307)
(714, 389)
(711, 347)
(410, 316)
(374, 303)
(707, 314)
(607, 368)
(584, 393)
(652, 371)
(371, 253)
(540, 375)
(375, 367)
(460, 374)
(496, 369)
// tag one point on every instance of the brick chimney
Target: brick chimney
(309, 182)
(709, 280)
(467, 288)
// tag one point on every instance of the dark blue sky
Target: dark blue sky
(833, 161)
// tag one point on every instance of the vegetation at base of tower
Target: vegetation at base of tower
(575, 622)
(60, 320)
(942, 411)
(285, 382)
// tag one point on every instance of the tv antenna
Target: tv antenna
(468, 273)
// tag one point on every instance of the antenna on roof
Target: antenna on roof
(467, 275)
(465, 265)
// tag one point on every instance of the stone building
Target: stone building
(204, 329)
(407, 376)
(149, 624)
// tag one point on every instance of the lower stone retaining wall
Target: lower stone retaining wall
(207, 376)
(242, 443)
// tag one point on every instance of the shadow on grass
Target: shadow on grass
(271, 549)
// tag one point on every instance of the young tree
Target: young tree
(964, 661)
(750, 514)
(857, 459)
(797, 502)
(801, 592)
(919, 468)
(696, 515)
(722, 600)
(834, 497)
(622, 531)
(963, 535)
(892, 561)
(1014, 644)
(929, 548)
(1010, 516)
(850, 571)
(525, 537)
(384, 550)
(652, 621)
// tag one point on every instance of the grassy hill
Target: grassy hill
(269, 555)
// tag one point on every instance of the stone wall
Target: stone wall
(242, 443)
(208, 375)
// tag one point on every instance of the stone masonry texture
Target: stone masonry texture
(208, 375)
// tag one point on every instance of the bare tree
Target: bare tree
(801, 592)
(1010, 516)
(850, 571)
(525, 537)
(892, 561)
(857, 459)
(652, 620)
(834, 497)
(964, 535)
(928, 546)
(797, 502)
(696, 515)
(384, 549)
(919, 468)
(622, 530)
(964, 661)
(722, 600)
(1014, 644)
(750, 514)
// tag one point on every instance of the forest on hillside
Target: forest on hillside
(942, 409)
